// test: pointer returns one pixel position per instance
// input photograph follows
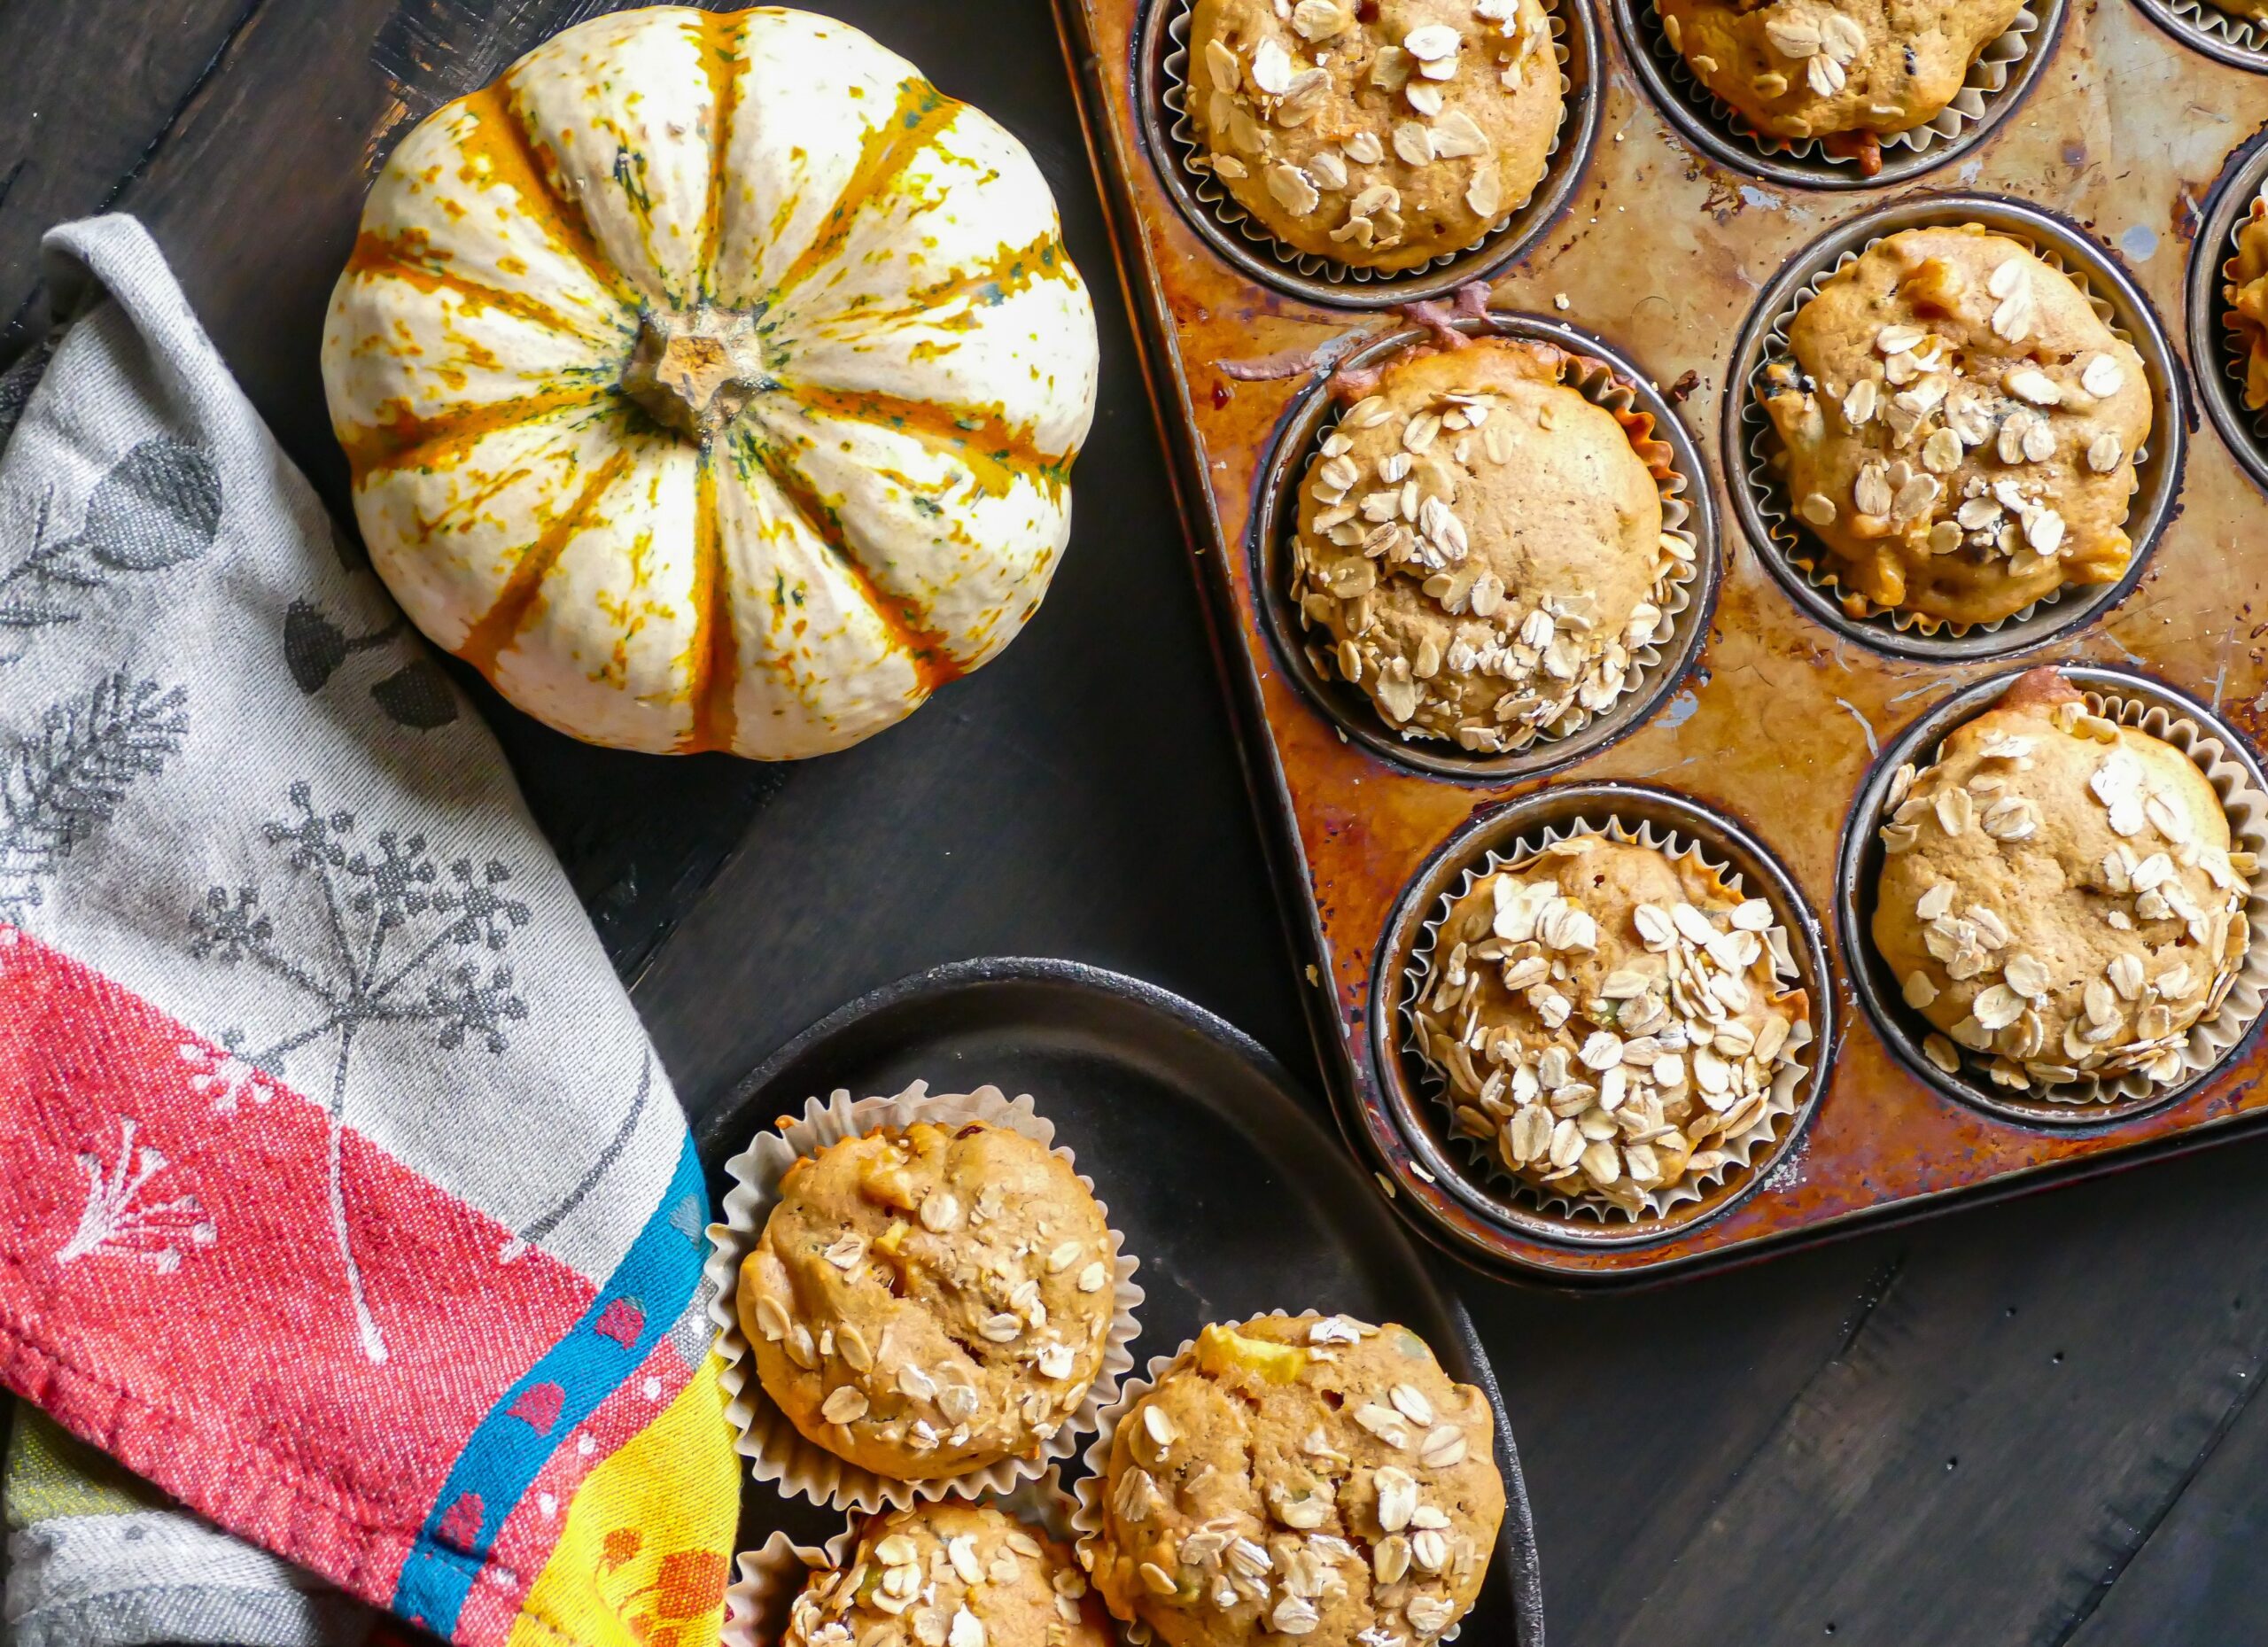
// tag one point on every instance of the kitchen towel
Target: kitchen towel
(341, 1194)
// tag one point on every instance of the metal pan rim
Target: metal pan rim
(2157, 500)
(1350, 712)
(1578, 137)
(1410, 1111)
(2242, 179)
(2220, 49)
(1858, 859)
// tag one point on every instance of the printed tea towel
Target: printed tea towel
(341, 1194)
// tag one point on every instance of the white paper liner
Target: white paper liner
(2213, 1035)
(1225, 209)
(1599, 383)
(1087, 1520)
(2237, 335)
(775, 1573)
(779, 1452)
(2244, 34)
(1785, 1097)
(1991, 74)
(1813, 559)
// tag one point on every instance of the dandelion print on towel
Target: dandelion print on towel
(121, 1220)
(402, 948)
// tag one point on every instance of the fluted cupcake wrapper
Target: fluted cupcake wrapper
(777, 1451)
(1783, 1103)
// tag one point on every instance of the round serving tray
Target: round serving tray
(1223, 1178)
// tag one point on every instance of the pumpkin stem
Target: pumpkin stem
(695, 369)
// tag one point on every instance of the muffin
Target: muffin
(1480, 547)
(2247, 292)
(949, 1575)
(1957, 427)
(1299, 1476)
(2251, 11)
(927, 1302)
(2058, 895)
(1612, 1017)
(1381, 135)
(1861, 70)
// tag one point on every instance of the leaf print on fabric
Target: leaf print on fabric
(159, 506)
(59, 787)
(389, 959)
(418, 694)
(118, 1221)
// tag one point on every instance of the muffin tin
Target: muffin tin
(1772, 713)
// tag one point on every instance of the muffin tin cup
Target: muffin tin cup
(757, 1606)
(779, 1452)
(1419, 1098)
(2130, 700)
(2217, 348)
(2240, 43)
(1803, 566)
(1760, 1139)
(1246, 242)
(1087, 1519)
(1995, 84)
(1601, 376)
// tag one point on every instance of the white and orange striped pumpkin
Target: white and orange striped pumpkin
(711, 381)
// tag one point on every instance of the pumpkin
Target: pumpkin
(711, 381)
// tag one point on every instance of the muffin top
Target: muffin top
(2256, 10)
(2058, 894)
(928, 1301)
(1483, 545)
(1959, 427)
(1804, 69)
(1381, 135)
(950, 1575)
(1612, 1015)
(1299, 1476)
(2247, 291)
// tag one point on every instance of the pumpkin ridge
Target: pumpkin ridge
(922, 113)
(720, 37)
(523, 162)
(494, 629)
(408, 441)
(715, 645)
(399, 256)
(926, 650)
(994, 452)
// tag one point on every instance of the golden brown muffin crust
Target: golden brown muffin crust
(950, 1575)
(1803, 68)
(2247, 291)
(1482, 546)
(1611, 1015)
(927, 1302)
(1959, 427)
(1384, 135)
(2058, 894)
(1305, 1477)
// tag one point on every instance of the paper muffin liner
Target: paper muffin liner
(779, 1452)
(1087, 1520)
(1783, 1103)
(2207, 745)
(1224, 207)
(2227, 35)
(2238, 335)
(1993, 73)
(1604, 387)
(775, 1573)
(1811, 557)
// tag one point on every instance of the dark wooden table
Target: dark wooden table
(2027, 1424)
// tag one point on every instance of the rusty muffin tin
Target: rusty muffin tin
(1771, 734)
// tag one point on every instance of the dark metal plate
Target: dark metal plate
(1237, 1198)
